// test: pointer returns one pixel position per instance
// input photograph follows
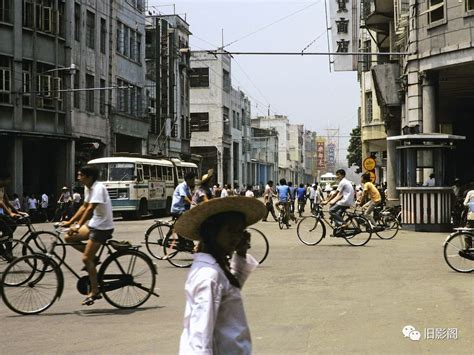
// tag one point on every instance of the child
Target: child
(214, 319)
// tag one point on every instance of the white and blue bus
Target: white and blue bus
(138, 186)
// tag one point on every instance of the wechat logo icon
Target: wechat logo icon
(409, 331)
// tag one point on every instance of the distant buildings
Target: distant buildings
(84, 79)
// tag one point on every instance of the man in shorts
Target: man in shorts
(93, 222)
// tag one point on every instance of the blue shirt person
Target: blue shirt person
(182, 195)
(301, 192)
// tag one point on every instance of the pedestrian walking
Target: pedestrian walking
(16, 202)
(214, 317)
(224, 192)
(301, 195)
(32, 205)
(268, 195)
(44, 204)
(76, 201)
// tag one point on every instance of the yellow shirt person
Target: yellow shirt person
(374, 194)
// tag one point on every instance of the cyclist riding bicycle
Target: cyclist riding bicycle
(370, 199)
(92, 222)
(8, 214)
(283, 191)
(182, 196)
(342, 200)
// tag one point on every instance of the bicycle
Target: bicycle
(284, 217)
(386, 224)
(312, 229)
(32, 283)
(12, 250)
(35, 241)
(178, 251)
(458, 250)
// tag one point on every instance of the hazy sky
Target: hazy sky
(300, 87)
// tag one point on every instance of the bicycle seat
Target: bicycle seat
(119, 244)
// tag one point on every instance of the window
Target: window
(199, 77)
(368, 107)
(77, 94)
(132, 45)
(89, 93)
(28, 14)
(146, 172)
(159, 173)
(469, 5)
(77, 21)
(226, 80)
(102, 98)
(139, 105)
(103, 35)
(26, 77)
(126, 36)
(366, 58)
(5, 15)
(139, 48)
(130, 99)
(119, 37)
(200, 122)
(341, 5)
(90, 30)
(5, 79)
(435, 10)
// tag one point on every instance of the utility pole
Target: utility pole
(157, 54)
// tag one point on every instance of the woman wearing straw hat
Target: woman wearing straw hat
(203, 192)
(214, 319)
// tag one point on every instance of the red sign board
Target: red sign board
(320, 157)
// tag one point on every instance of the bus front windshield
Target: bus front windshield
(121, 171)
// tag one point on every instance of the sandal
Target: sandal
(89, 301)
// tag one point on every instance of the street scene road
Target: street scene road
(329, 298)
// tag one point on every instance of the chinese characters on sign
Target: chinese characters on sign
(344, 21)
(320, 158)
(331, 156)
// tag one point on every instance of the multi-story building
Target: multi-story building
(167, 48)
(72, 77)
(425, 98)
(296, 150)
(264, 156)
(310, 171)
(282, 125)
(219, 115)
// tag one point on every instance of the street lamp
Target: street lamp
(72, 69)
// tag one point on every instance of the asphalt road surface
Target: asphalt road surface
(329, 298)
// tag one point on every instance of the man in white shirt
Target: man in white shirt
(342, 200)
(224, 192)
(97, 231)
(249, 192)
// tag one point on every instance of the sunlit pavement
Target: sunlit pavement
(329, 298)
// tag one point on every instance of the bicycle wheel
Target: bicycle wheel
(154, 237)
(390, 227)
(259, 246)
(179, 251)
(41, 242)
(127, 279)
(459, 252)
(281, 224)
(28, 288)
(358, 231)
(18, 248)
(311, 230)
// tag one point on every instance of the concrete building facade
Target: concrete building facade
(281, 124)
(60, 105)
(167, 47)
(219, 118)
(264, 156)
(425, 98)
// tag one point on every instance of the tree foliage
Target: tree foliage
(354, 156)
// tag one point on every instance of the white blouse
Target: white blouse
(214, 318)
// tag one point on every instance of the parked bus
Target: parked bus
(326, 181)
(138, 186)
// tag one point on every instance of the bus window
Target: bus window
(159, 173)
(169, 174)
(121, 171)
(146, 172)
(153, 172)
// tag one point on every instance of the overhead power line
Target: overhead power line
(307, 53)
(271, 24)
